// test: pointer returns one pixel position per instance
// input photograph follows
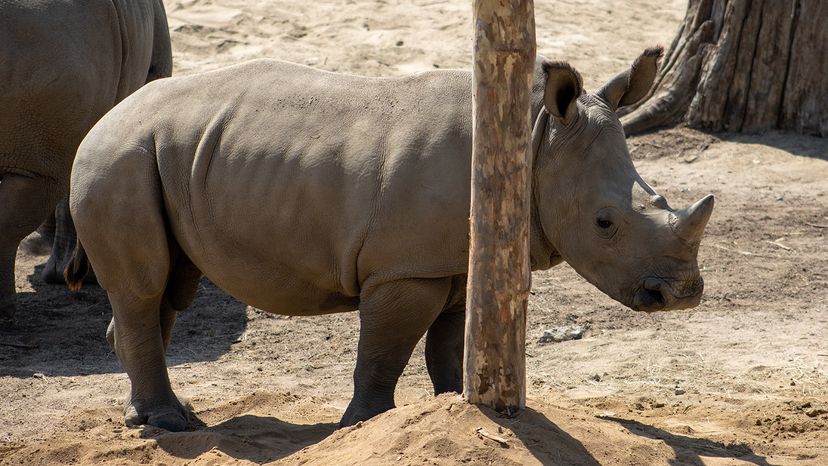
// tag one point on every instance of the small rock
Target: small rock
(815, 412)
(559, 334)
(680, 391)
(400, 43)
(595, 377)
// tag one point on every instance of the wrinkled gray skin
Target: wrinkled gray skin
(303, 192)
(63, 64)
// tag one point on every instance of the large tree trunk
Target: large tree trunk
(745, 66)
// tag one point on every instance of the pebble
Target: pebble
(559, 334)
(680, 391)
(815, 412)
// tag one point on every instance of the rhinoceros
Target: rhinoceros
(63, 64)
(305, 192)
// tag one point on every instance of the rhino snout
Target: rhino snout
(659, 294)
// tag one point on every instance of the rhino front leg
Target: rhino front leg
(393, 318)
(444, 350)
(139, 343)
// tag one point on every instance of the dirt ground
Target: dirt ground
(742, 379)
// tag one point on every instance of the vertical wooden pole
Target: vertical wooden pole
(499, 275)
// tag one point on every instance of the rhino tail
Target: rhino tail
(77, 268)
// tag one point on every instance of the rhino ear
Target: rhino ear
(563, 87)
(630, 86)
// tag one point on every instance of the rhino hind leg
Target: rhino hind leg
(179, 295)
(24, 203)
(393, 317)
(444, 351)
(129, 245)
(140, 333)
(63, 243)
(139, 344)
(151, 400)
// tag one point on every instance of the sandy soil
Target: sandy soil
(741, 379)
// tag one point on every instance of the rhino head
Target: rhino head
(591, 208)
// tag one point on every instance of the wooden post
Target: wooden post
(499, 275)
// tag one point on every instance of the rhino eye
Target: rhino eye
(604, 226)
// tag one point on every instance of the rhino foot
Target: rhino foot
(362, 412)
(50, 273)
(171, 416)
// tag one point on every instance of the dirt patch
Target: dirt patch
(741, 379)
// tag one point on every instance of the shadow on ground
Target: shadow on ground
(794, 144)
(689, 450)
(58, 333)
(547, 442)
(247, 437)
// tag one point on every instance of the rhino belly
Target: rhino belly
(267, 284)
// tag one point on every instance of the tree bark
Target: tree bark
(499, 275)
(743, 66)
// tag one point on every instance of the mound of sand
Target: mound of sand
(268, 428)
(447, 431)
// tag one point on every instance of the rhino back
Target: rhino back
(64, 64)
(309, 180)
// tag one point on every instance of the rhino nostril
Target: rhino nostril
(655, 296)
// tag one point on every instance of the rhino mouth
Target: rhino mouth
(662, 294)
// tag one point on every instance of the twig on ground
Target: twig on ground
(777, 244)
(746, 253)
(816, 225)
(481, 432)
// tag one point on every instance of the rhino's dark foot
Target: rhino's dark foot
(52, 273)
(357, 412)
(170, 415)
(354, 415)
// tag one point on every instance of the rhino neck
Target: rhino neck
(542, 255)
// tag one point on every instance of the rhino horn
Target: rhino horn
(690, 222)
